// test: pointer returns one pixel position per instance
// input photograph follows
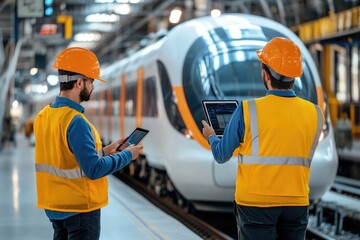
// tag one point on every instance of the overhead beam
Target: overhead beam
(119, 38)
(282, 14)
(266, 9)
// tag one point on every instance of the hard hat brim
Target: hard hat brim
(100, 79)
(259, 55)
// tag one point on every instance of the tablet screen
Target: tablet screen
(218, 113)
(134, 138)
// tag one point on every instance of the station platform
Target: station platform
(128, 215)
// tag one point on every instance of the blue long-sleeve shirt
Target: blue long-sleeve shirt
(81, 143)
(222, 149)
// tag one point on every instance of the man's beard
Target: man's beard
(84, 95)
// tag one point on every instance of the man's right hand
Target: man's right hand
(207, 131)
(135, 150)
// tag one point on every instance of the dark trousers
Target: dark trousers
(281, 223)
(83, 226)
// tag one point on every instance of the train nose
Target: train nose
(324, 163)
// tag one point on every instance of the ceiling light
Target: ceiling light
(122, 9)
(33, 71)
(15, 104)
(87, 37)
(53, 80)
(175, 15)
(101, 17)
(215, 12)
(104, 1)
(88, 45)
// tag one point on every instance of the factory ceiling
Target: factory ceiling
(115, 28)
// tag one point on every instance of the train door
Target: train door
(109, 111)
(139, 96)
(130, 101)
(122, 105)
(101, 107)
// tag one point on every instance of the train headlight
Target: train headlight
(326, 126)
(325, 131)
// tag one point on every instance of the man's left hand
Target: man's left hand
(111, 149)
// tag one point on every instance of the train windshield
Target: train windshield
(222, 67)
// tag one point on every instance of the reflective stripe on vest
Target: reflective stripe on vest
(256, 159)
(71, 174)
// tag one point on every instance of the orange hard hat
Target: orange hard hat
(79, 60)
(283, 56)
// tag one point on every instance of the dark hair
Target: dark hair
(66, 85)
(275, 83)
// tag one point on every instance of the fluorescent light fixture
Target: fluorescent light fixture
(101, 17)
(88, 45)
(87, 37)
(122, 9)
(104, 1)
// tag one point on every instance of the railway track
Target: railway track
(337, 215)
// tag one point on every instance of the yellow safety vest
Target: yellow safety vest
(281, 135)
(61, 184)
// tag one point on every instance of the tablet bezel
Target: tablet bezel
(204, 102)
(135, 130)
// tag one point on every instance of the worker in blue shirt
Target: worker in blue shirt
(71, 164)
(276, 137)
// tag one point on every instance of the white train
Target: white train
(160, 88)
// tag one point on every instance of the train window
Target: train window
(149, 108)
(304, 86)
(106, 102)
(171, 107)
(218, 66)
(130, 99)
(116, 101)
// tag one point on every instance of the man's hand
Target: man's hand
(135, 150)
(111, 149)
(207, 131)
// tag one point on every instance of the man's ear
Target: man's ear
(79, 82)
(266, 75)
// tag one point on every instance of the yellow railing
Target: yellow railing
(336, 108)
(330, 25)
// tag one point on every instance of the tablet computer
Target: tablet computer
(134, 138)
(218, 113)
